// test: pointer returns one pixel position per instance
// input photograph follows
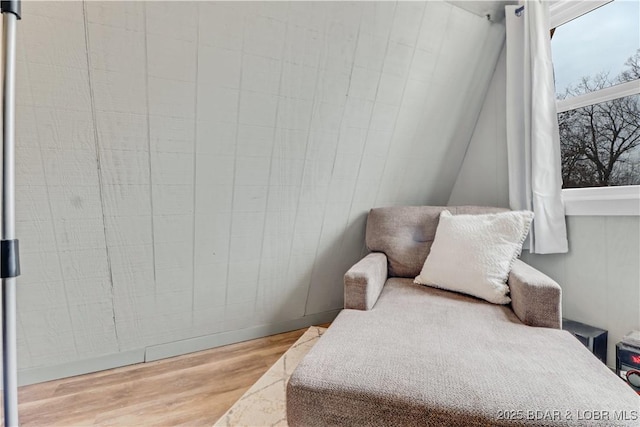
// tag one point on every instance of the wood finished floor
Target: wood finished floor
(190, 390)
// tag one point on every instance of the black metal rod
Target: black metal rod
(11, 6)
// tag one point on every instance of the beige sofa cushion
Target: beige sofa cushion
(405, 234)
(424, 356)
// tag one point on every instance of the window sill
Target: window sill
(602, 201)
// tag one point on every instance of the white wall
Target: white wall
(483, 179)
(600, 276)
(199, 173)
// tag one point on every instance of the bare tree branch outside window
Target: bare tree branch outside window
(600, 143)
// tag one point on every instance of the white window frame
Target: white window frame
(563, 11)
(606, 201)
(594, 201)
(603, 95)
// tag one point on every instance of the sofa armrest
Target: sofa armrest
(364, 281)
(535, 297)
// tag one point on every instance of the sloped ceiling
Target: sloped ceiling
(190, 168)
(490, 9)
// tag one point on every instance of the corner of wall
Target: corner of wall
(482, 176)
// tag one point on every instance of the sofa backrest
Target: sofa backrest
(405, 233)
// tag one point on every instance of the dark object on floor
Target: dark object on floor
(627, 360)
(595, 339)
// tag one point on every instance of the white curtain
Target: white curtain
(533, 141)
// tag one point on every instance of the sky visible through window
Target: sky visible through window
(601, 40)
(599, 143)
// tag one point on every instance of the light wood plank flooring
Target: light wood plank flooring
(194, 389)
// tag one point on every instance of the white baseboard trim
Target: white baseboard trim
(162, 351)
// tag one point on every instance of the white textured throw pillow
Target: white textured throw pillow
(473, 254)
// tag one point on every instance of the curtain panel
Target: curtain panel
(533, 140)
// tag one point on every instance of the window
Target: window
(596, 56)
(600, 144)
(596, 60)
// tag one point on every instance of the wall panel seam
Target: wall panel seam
(195, 168)
(306, 150)
(54, 230)
(324, 215)
(273, 148)
(85, 22)
(413, 54)
(235, 165)
(146, 82)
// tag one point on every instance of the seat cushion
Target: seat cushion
(431, 357)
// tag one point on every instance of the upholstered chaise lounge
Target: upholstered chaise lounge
(406, 354)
